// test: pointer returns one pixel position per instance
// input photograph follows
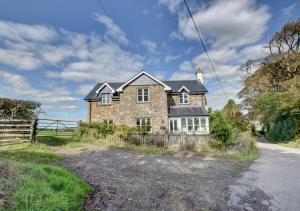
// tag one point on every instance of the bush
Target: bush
(220, 127)
(95, 130)
(246, 142)
(125, 132)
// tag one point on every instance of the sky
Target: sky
(55, 51)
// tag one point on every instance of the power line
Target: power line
(101, 7)
(203, 45)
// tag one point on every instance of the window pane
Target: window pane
(175, 125)
(146, 98)
(145, 91)
(138, 122)
(140, 92)
(171, 125)
(196, 123)
(190, 124)
(203, 124)
(140, 98)
(183, 123)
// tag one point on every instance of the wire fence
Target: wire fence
(56, 127)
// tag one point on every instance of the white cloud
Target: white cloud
(21, 32)
(227, 23)
(79, 57)
(150, 45)
(113, 30)
(18, 86)
(172, 5)
(84, 89)
(174, 35)
(170, 58)
(288, 11)
(57, 107)
(189, 50)
(186, 66)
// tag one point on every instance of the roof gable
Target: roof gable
(120, 89)
(105, 84)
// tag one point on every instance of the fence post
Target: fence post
(33, 128)
(56, 127)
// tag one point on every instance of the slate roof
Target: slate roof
(92, 95)
(194, 86)
(187, 111)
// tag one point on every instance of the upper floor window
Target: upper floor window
(184, 98)
(143, 95)
(106, 98)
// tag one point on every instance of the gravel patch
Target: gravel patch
(129, 181)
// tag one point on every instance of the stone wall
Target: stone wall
(100, 112)
(194, 100)
(128, 109)
(156, 108)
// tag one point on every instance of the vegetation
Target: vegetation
(31, 180)
(18, 108)
(271, 93)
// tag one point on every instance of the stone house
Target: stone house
(162, 106)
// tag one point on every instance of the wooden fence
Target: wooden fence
(170, 141)
(11, 128)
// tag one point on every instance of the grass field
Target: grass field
(30, 179)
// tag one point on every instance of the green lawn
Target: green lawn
(30, 179)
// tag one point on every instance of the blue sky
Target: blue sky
(55, 51)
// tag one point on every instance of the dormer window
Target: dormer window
(106, 98)
(184, 98)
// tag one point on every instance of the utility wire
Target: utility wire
(101, 7)
(205, 50)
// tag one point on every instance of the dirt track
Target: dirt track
(127, 181)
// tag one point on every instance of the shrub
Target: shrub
(125, 132)
(95, 130)
(247, 142)
(220, 127)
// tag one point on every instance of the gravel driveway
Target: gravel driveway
(128, 181)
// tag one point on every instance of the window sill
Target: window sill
(106, 104)
(141, 102)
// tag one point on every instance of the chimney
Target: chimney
(199, 74)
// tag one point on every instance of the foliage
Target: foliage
(271, 93)
(37, 183)
(95, 130)
(125, 132)
(18, 108)
(235, 116)
(220, 127)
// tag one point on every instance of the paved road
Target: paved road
(271, 183)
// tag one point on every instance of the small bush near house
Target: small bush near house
(95, 130)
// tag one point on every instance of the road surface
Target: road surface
(272, 182)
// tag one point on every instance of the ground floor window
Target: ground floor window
(144, 124)
(108, 121)
(188, 124)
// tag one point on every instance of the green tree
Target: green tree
(220, 126)
(19, 108)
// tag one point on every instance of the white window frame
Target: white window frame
(140, 119)
(184, 98)
(105, 100)
(143, 95)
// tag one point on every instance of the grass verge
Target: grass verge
(32, 180)
(291, 144)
